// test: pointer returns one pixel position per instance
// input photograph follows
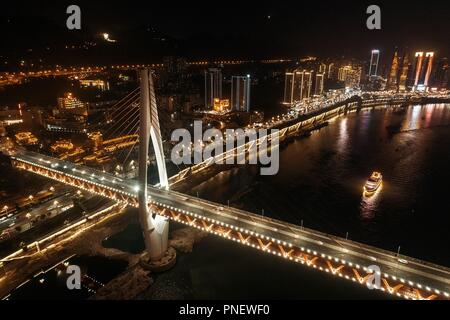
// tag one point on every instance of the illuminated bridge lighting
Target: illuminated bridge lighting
(305, 254)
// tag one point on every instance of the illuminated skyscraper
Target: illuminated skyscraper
(213, 86)
(289, 88)
(422, 70)
(240, 93)
(418, 67)
(351, 76)
(429, 65)
(306, 84)
(404, 72)
(322, 68)
(330, 71)
(392, 82)
(298, 86)
(374, 60)
(318, 87)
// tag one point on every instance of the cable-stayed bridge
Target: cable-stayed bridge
(404, 277)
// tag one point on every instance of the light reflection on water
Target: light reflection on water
(343, 136)
(369, 203)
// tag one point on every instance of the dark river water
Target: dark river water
(321, 178)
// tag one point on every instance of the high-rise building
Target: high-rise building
(374, 60)
(213, 86)
(288, 88)
(417, 67)
(342, 74)
(298, 86)
(322, 68)
(350, 75)
(306, 84)
(442, 74)
(240, 93)
(429, 63)
(422, 70)
(392, 81)
(331, 71)
(318, 87)
(402, 84)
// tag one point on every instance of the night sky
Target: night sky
(275, 28)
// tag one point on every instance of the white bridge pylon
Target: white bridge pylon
(155, 228)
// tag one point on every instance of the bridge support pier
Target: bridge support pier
(155, 228)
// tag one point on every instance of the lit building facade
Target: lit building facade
(26, 139)
(240, 93)
(350, 75)
(392, 81)
(302, 84)
(403, 80)
(213, 86)
(331, 71)
(70, 102)
(318, 87)
(221, 105)
(423, 66)
(288, 88)
(374, 61)
(305, 84)
(94, 83)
